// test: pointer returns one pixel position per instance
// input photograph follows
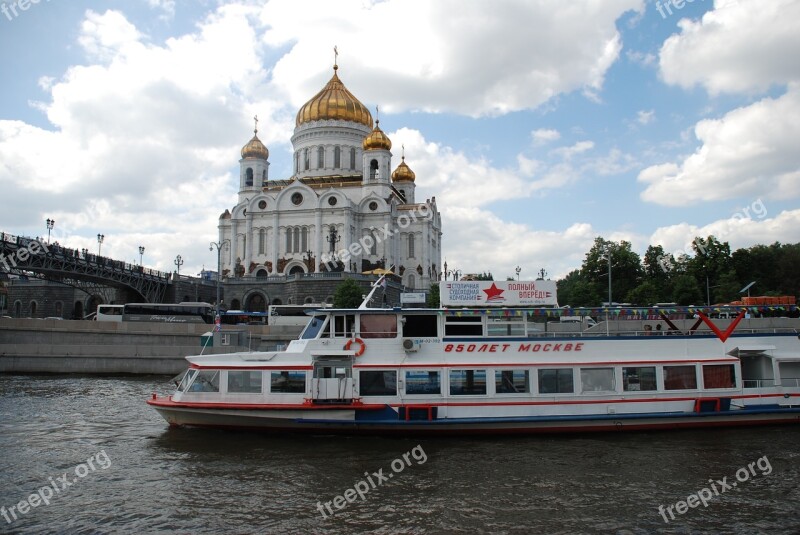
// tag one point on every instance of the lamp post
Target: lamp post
(141, 254)
(100, 238)
(179, 263)
(219, 245)
(445, 270)
(50, 224)
(542, 274)
(518, 269)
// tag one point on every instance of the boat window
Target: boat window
(206, 381)
(467, 382)
(423, 382)
(597, 380)
(719, 376)
(556, 381)
(506, 326)
(511, 381)
(313, 328)
(187, 380)
(378, 326)
(639, 378)
(680, 378)
(463, 326)
(420, 326)
(378, 383)
(245, 381)
(344, 326)
(288, 382)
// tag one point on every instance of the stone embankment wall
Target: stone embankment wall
(52, 346)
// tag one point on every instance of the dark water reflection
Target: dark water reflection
(165, 480)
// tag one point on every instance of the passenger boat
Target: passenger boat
(497, 371)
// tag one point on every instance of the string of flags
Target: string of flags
(632, 312)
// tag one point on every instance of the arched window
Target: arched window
(59, 309)
(373, 170)
(309, 299)
(352, 158)
(297, 162)
(248, 180)
(289, 239)
(320, 158)
(262, 241)
(305, 159)
(373, 248)
(303, 239)
(337, 157)
(411, 246)
(412, 282)
(18, 309)
(296, 240)
(264, 177)
(33, 308)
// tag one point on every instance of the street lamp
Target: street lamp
(50, 224)
(141, 254)
(219, 245)
(100, 238)
(179, 263)
(518, 269)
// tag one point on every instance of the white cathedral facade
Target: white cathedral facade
(343, 209)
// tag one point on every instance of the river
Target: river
(107, 463)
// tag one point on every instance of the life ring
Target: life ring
(360, 342)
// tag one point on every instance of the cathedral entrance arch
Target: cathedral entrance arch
(255, 302)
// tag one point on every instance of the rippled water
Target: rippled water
(163, 480)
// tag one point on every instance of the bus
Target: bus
(292, 314)
(169, 313)
(109, 313)
(240, 317)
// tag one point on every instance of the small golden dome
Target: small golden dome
(334, 102)
(377, 140)
(403, 173)
(255, 149)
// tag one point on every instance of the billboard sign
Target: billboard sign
(499, 293)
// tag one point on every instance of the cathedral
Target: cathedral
(343, 210)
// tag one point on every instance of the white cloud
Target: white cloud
(578, 148)
(645, 117)
(751, 151)
(544, 135)
(469, 57)
(739, 46)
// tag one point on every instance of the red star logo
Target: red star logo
(493, 293)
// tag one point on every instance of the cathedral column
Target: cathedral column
(347, 238)
(318, 238)
(388, 252)
(426, 253)
(276, 241)
(248, 243)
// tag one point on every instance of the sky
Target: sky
(538, 125)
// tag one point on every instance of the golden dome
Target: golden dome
(334, 102)
(377, 140)
(255, 149)
(403, 173)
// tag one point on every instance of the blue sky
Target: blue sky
(537, 125)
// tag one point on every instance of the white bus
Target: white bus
(169, 313)
(109, 313)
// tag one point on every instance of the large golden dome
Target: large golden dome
(255, 149)
(377, 139)
(334, 102)
(403, 173)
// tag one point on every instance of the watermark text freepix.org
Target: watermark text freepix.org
(22, 254)
(372, 481)
(60, 484)
(11, 9)
(718, 486)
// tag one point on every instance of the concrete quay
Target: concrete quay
(92, 347)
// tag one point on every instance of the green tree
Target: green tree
(727, 288)
(647, 293)
(348, 294)
(433, 296)
(626, 268)
(686, 291)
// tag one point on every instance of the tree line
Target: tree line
(712, 275)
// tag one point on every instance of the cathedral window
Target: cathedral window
(373, 170)
(305, 159)
(373, 248)
(337, 157)
(352, 158)
(289, 240)
(262, 241)
(320, 158)
(248, 180)
(412, 283)
(264, 177)
(296, 240)
(411, 246)
(303, 240)
(297, 162)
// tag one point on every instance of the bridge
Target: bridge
(22, 255)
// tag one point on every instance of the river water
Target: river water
(129, 473)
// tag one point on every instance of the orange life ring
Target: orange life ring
(360, 342)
